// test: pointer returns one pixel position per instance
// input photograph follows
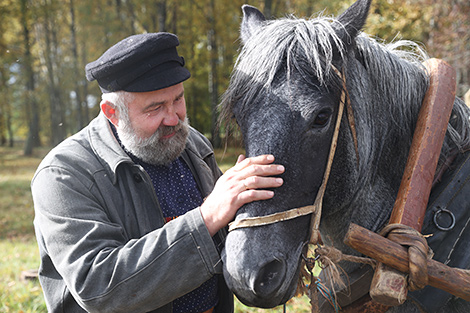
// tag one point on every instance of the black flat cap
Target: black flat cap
(139, 63)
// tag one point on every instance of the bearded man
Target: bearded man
(130, 213)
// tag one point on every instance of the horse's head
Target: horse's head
(284, 94)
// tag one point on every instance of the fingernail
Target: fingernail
(270, 158)
(280, 168)
(279, 180)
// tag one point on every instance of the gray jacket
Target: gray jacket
(102, 239)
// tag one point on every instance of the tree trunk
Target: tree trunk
(3, 104)
(56, 104)
(268, 8)
(161, 15)
(174, 20)
(76, 73)
(213, 78)
(32, 110)
(5, 111)
(132, 18)
(9, 127)
(86, 111)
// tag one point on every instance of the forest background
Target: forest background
(45, 45)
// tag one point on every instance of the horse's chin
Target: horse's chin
(270, 284)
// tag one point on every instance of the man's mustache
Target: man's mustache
(167, 130)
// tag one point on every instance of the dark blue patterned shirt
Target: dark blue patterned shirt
(177, 193)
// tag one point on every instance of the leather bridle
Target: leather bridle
(316, 208)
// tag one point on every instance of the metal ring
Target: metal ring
(452, 217)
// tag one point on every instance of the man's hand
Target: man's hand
(243, 183)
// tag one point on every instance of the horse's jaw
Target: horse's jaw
(262, 276)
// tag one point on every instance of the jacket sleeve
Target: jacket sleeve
(104, 269)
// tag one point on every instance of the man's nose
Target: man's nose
(171, 117)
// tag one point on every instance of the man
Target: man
(120, 218)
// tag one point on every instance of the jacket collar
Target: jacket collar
(105, 145)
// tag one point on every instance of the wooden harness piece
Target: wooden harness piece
(387, 287)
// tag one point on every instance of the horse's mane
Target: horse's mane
(262, 57)
(395, 70)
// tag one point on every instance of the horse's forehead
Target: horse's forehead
(287, 97)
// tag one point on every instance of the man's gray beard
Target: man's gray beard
(154, 150)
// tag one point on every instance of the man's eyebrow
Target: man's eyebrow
(153, 105)
(180, 95)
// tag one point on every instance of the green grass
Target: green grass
(17, 294)
(18, 249)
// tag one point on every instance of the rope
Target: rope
(327, 294)
(418, 252)
(328, 257)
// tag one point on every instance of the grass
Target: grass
(18, 249)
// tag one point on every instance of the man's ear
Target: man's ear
(109, 111)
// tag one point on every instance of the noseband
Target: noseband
(316, 208)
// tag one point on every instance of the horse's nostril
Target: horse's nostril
(269, 278)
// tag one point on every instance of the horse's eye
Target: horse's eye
(322, 119)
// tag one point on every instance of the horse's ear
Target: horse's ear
(353, 19)
(252, 20)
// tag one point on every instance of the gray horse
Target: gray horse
(284, 95)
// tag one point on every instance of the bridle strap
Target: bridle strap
(315, 237)
(271, 218)
(317, 205)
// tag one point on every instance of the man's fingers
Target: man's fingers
(249, 180)
(251, 195)
(257, 173)
(261, 170)
(243, 162)
(241, 157)
(258, 182)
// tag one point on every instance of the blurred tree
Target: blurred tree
(44, 46)
(161, 15)
(32, 109)
(448, 37)
(10, 50)
(4, 107)
(47, 30)
(4, 103)
(79, 95)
